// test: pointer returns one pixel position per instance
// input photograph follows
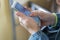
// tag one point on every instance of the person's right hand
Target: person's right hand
(45, 18)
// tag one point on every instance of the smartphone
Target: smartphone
(17, 6)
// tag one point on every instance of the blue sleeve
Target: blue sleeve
(38, 36)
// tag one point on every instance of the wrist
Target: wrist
(32, 31)
(55, 20)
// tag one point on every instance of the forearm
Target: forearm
(33, 30)
(53, 21)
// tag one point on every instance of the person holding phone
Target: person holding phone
(46, 20)
(32, 27)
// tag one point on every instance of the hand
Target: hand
(28, 22)
(45, 18)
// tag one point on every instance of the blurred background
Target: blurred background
(10, 28)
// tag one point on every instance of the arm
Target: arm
(45, 18)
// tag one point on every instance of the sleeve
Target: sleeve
(38, 36)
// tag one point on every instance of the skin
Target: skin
(58, 5)
(45, 18)
(31, 25)
(58, 2)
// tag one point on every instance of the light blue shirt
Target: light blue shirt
(38, 36)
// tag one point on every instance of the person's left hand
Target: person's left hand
(28, 22)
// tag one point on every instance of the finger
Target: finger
(34, 13)
(28, 8)
(20, 14)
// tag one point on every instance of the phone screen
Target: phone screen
(22, 9)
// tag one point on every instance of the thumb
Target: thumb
(34, 13)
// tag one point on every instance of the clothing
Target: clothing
(54, 32)
(42, 36)
(58, 24)
(38, 36)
